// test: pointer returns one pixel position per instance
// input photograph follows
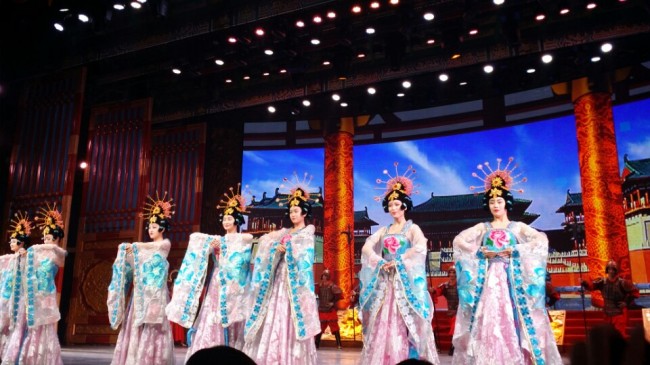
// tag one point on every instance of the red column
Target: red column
(338, 240)
(602, 197)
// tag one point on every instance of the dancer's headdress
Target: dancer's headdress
(50, 221)
(158, 210)
(398, 187)
(21, 227)
(498, 183)
(298, 194)
(233, 204)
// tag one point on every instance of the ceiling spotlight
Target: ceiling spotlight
(455, 56)
(488, 69)
(498, 2)
(547, 58)
(428, 16)
(232, 40)
(219, 62)
(247, 77)
(266, 74)
(271, 109)
(356, 9)
(83, 165)
(331, 14)
(540, 16)
(370, 30)
(300, 24)
(142, 1)
(372, 91)
(564, 10)
(431, 41)
(135, 5)
(462, 83)
(406, 84)
(336, 97)
(283, 71)
(374, 5)
(306, 102)
(344, 105)
(268, 52)
(606, 47)
(317, 19)
(595, 59)
(176, 71)
(315, 41)
(400, 95)
(83, 17)
(118, 6)
(259, 31)
(361, 55)
(443, 77)
(326, 63)
(58, 26)
(394, 2)
(63, 10)
(530, 71)
(473, 31)
(591, 5)
(228, 81)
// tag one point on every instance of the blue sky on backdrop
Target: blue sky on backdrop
(545, 151)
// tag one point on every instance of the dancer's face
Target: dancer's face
(15, 245)
(155, 232)
(49, 239)
(498, 207)
(395, 209)
(296, 216)
(228, 223)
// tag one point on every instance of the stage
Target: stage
(101, 355)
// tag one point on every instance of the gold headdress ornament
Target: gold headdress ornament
(397, 184)
(49, 218)
(298, 191)
(20, 225)
(234, 201)
(495, 181)
(158, 209)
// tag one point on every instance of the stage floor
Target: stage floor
(101, 355)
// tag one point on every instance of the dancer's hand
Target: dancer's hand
(488, 254)
(282, 248)
(505, 253)
(388, 267)
(129, 249)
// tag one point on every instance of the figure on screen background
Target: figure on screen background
(145, 336)
(618, 294)
(328, 295)
(221, 318)
(396, 308)
(501, 268)
(284, 317)
(449, 290)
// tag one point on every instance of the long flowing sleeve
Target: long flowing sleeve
(117, 289)
(42, 264)
(7, 273)
(189, 282)
(371, 262)
(150, 275)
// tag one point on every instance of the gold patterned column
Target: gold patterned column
(338, 240)
(602, 196)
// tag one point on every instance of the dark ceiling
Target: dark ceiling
(130, 54)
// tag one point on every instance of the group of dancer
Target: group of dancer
(271, 312)
(29, 309)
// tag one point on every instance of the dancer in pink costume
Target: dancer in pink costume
(35, 341)
(145, 337)
(284, 318)
(501, 269)
(395, 304)
(222, 315)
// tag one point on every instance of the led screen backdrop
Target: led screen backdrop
(546, 153)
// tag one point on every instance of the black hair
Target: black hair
(304, 205)
(164, 224)
(505, 194)
(57, 232)
(407, 203)
(239, 218)
(22, 238)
